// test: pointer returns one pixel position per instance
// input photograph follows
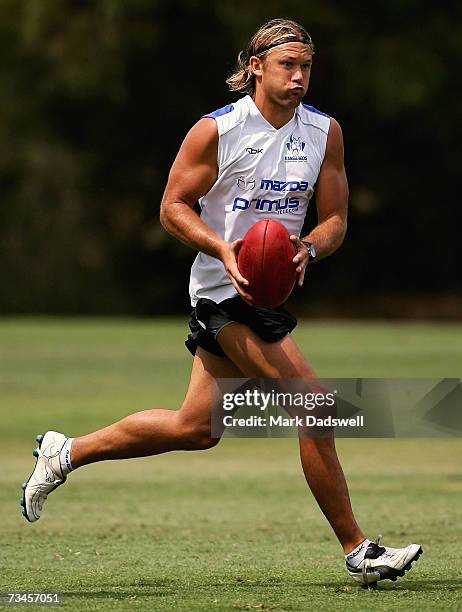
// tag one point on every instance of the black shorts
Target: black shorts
(208, 318)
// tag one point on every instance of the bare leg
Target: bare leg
(151, 432)
(256, 358)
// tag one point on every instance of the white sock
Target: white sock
(356, 556)
(65, 457)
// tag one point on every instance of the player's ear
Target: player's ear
(255, 64)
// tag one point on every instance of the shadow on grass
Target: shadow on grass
(156, 589)
(423, 586)
(119, 594)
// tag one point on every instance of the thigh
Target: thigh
(257, 358)
(281, 360)
(207, 367)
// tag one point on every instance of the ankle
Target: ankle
(356, 556)
(350, 545)
(65, 457)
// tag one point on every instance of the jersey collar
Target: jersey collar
(256, 114)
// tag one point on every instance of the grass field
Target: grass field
(233, 528)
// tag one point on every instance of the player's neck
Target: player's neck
(276, 115)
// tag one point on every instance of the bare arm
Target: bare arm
(331, 197)
(331, 202)
(193, 173)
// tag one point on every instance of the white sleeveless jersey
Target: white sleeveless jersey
(263, 173)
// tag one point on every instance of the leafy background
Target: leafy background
(97, 96)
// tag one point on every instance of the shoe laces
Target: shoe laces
(385, 553)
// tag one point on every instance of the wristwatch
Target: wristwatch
(311, 250)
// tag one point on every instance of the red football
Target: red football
(265, 260)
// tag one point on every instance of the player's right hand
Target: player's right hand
(228, 256)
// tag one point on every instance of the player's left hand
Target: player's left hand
(301, 258)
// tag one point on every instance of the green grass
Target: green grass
(233, 528)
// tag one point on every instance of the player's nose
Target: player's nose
(297, 76)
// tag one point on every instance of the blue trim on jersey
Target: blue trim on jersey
(314, 110)
(221, 111)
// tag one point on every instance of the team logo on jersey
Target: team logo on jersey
(295, 148)
(245, 184)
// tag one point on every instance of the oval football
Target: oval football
(265, 260)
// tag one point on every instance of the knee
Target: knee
(202, 440)
(195, 435)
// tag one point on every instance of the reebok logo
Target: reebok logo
(353, 554)
(253, 151)
(67, 459)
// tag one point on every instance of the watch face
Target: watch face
(311, 249)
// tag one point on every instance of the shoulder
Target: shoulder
(311, 116)
(229, 116)
(334, 145)
(201, 142)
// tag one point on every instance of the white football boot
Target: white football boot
(47, 474)
(384, 563)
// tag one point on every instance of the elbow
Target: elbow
(342, 231)
(164, 216)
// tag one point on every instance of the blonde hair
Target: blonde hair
(269, 35)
